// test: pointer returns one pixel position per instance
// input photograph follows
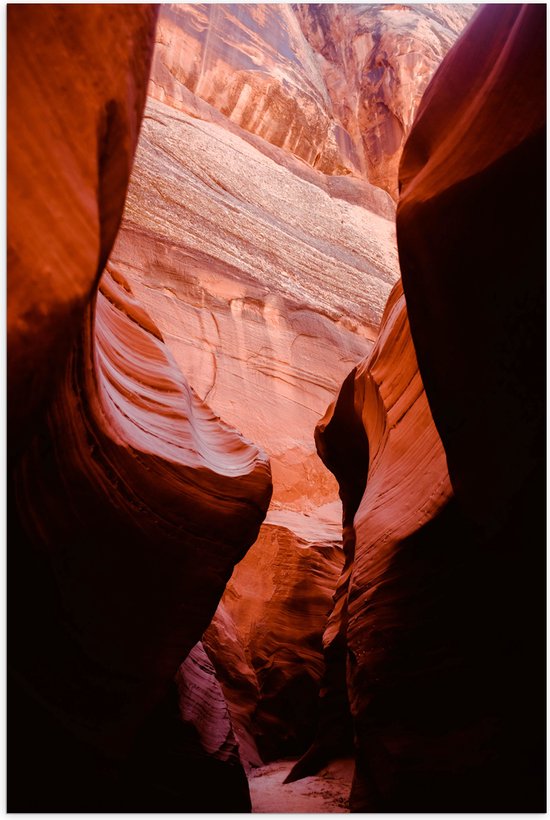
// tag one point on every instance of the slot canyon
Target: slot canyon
(276, 421)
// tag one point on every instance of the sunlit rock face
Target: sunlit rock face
(335, 85)
(267, 279)
(266, 293)
(266, 636)
(265, 256)
(129, 500)
(254, 65)
(376, 61)
(439, 605)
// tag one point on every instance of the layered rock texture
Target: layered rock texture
(441, 617)
(335, 85)
(265, 255)
(266, 637)
(376, 61)
(129, 500)
(161, 636)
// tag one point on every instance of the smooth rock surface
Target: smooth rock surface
(442, 615)
(472, 241)
(129, 500)
(163, 498)
(76, 84)
(272, 618)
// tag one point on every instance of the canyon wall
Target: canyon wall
(474, 167)
(254, 261)
(265, 256)
(441, 602)
(129, 501)
(376, 61)
(335, 85)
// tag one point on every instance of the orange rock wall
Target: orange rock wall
(129, 500)
(70, 146)
(267, 294)
(376, 61)
(440, 607)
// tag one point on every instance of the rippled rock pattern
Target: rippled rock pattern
(165, 499)
(441, 608)
(130, 501)
(234, 273)
(267, 294)
(266, 636)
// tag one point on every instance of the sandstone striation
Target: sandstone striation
(254, 65)
(441, 615)
(267, 294)
(376, 61)
(234, 273)
(73, 115)
(334, 85)
(266, 636)
(163, 500)
(129, 500)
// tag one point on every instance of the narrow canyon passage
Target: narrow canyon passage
(275, 408)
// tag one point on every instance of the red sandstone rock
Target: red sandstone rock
(273, 614)
(268, 294)
(381, 419)
(130, 501)
(335, 85)
(254, 65)
(235, 275)
(76, 87)
(168, 497)
(471, 229)
(444, 609)
(376, 61)
(493, 404)
(200, 696)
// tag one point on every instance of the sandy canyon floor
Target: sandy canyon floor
(324, 793)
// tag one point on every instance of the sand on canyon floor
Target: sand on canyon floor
(325, 793)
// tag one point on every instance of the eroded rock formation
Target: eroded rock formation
(335, 85)
(474, 170)
(130, 501)
(376, 61)
(234, 274)
(443, 611)
(274, 610)
(70, 148)
(268, 293)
